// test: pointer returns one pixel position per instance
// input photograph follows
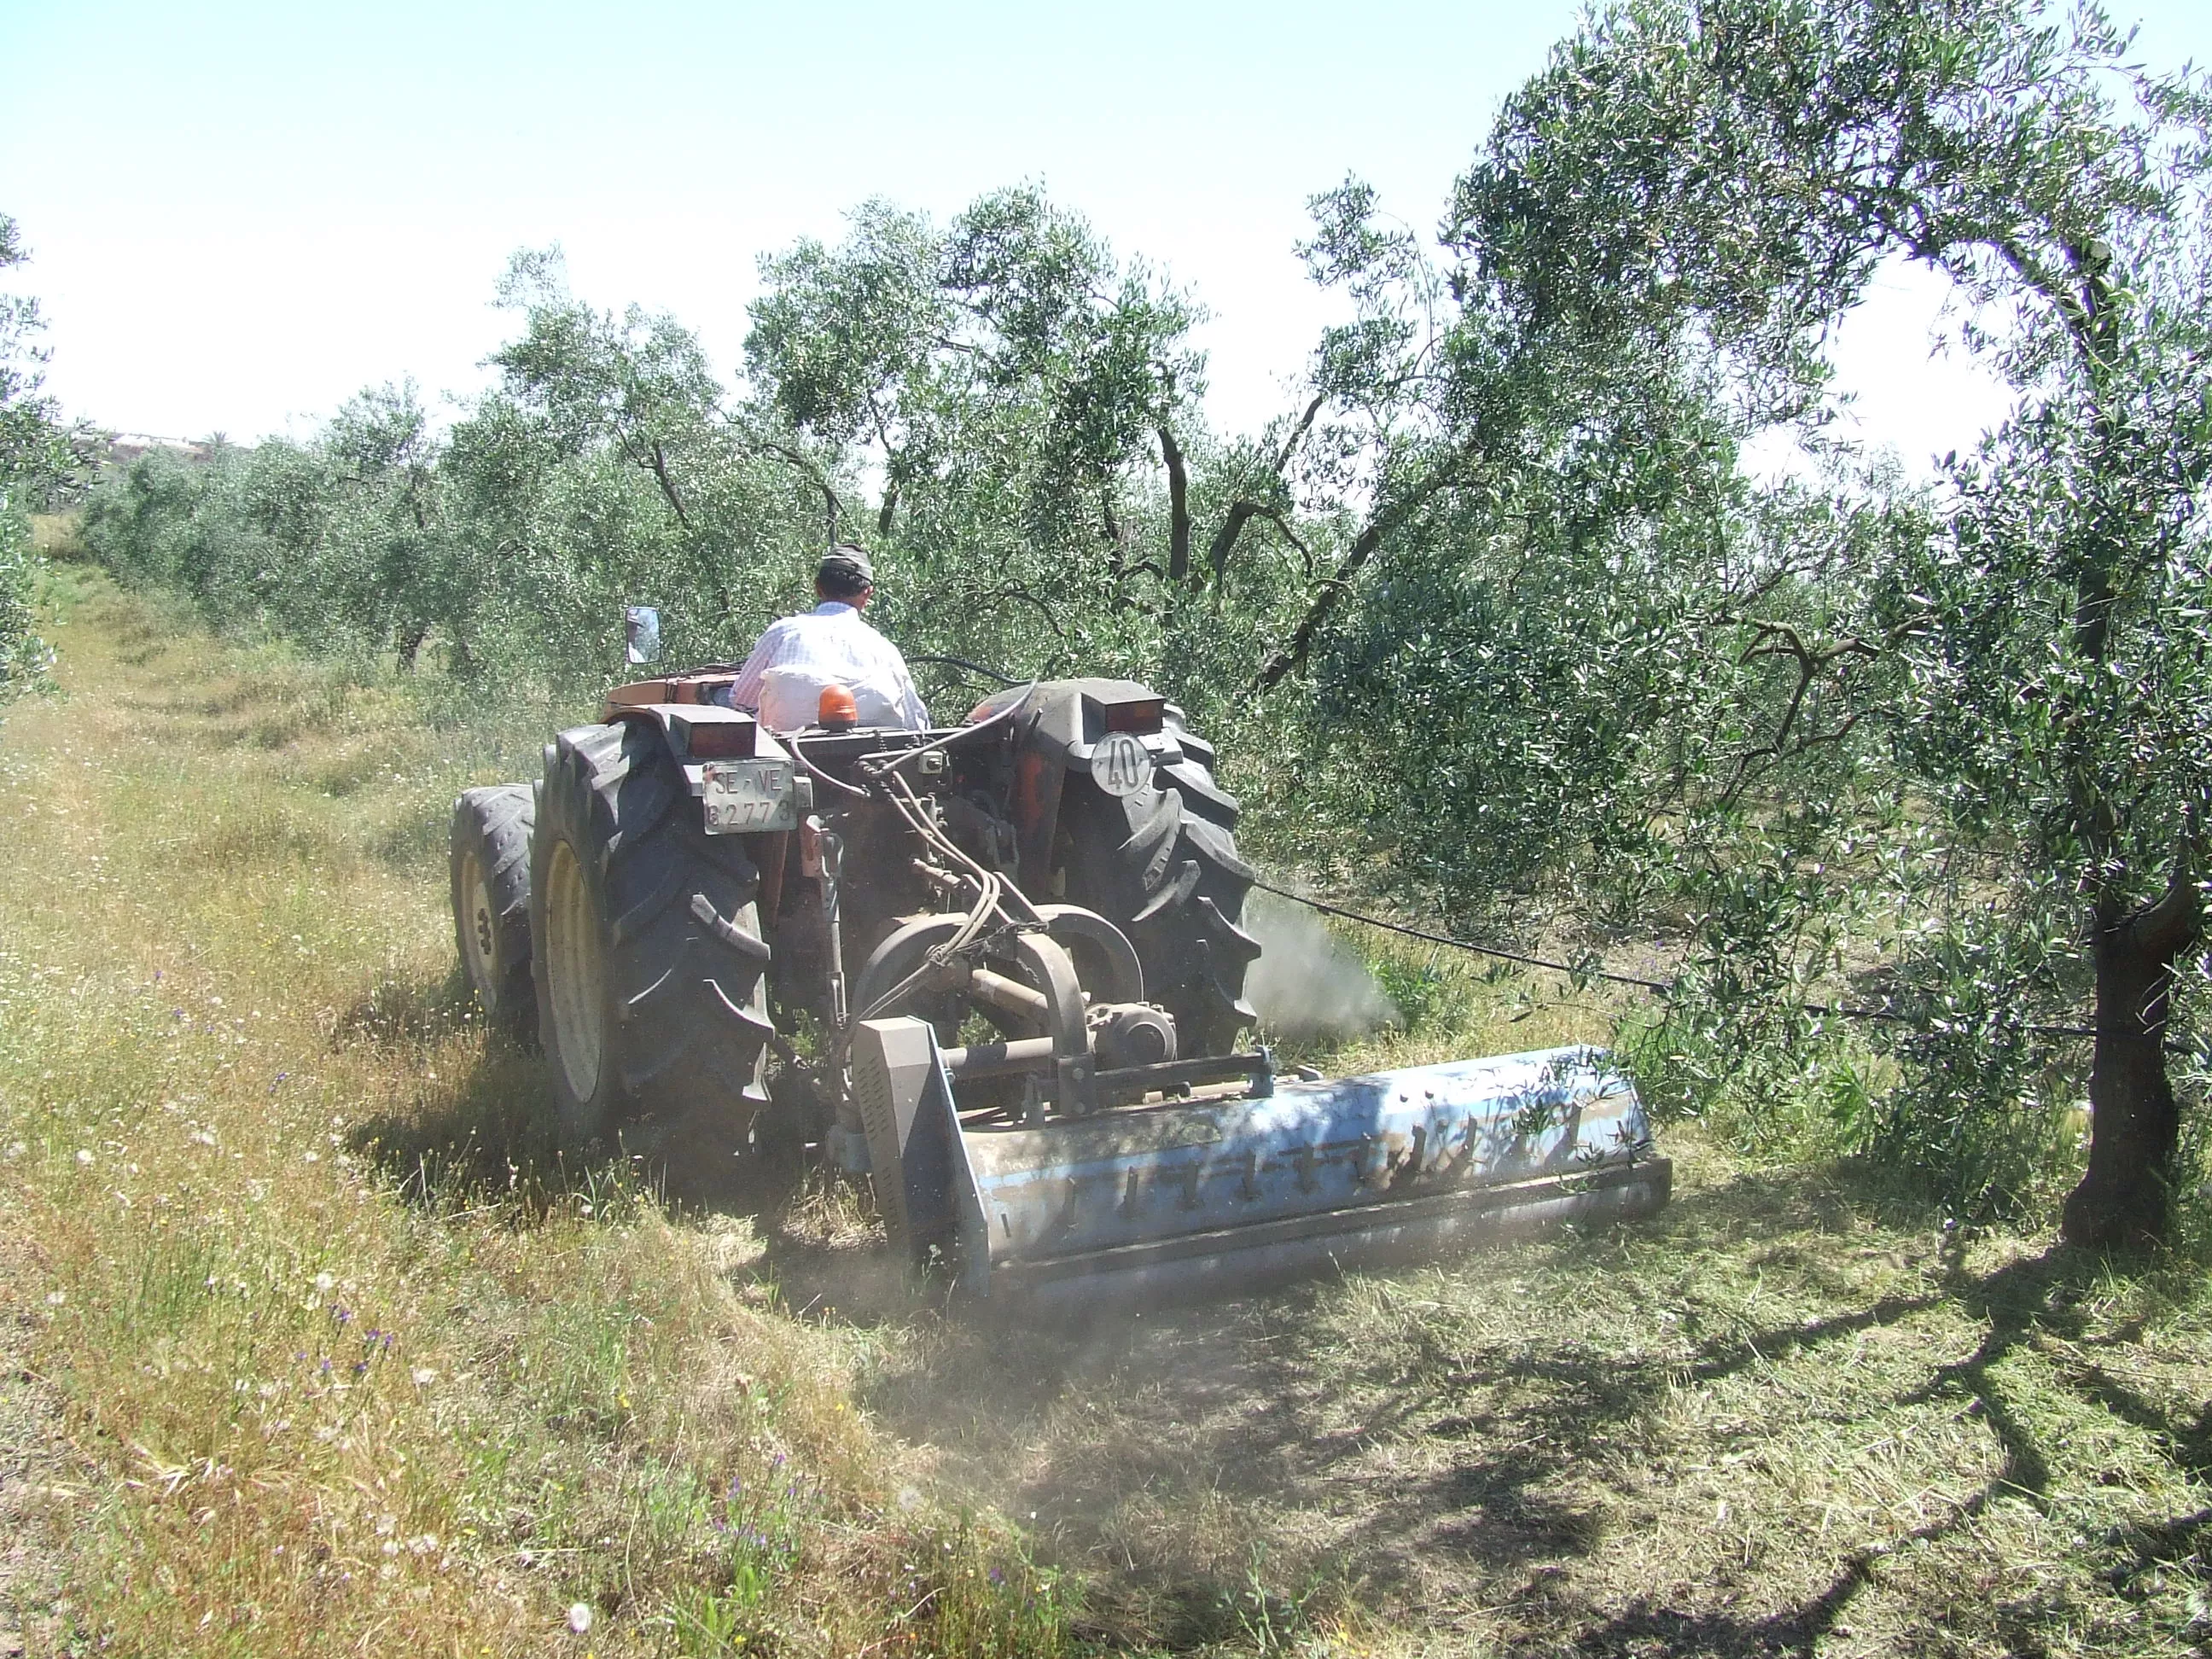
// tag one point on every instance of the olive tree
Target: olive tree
(1501, 665)
(607, 467)
(1726, 177)
(1024, 406)
(33, 452)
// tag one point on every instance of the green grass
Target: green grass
(359, 1361)
(55, 536)
(351, 1359)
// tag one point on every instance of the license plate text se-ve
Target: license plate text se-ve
(748, 797)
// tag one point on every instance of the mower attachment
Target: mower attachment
(1217, 1197)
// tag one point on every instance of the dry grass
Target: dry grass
(346, 1360)
(361, 1366)
(1764, 1424)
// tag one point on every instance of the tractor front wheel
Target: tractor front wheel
(489, 868)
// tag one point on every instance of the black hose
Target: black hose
(879, 766)
(790, 740)
(972, 667)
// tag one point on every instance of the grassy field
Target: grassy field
(315, 1345)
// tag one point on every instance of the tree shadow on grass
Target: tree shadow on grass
(2017, 1301)
(1483, 1462)
(2019, 1304)
(1240, 1407)
(490, 1139)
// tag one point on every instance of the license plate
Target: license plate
(749, 797)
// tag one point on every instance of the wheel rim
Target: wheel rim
(576, 974)
(480, 933)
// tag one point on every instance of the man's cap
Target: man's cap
(843, 566)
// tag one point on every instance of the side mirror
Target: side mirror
(641, 633)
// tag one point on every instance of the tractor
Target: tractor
(998, 967)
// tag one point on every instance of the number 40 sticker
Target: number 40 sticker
(1119, 766)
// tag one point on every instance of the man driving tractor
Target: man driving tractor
(799, 656)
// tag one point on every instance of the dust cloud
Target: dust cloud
(1306, 983)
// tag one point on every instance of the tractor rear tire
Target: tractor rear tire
(1192, 775)
(1162, 866)
(652, 1000)
(489, 867)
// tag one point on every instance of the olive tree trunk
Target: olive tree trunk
(2124, 1198)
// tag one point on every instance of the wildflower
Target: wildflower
(579, 1618)
(324, 1282)
(83, 1155)
(55, 1299)
(909, 1498)
(424, 1377)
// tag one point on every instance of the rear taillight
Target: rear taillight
(1140, 717)
(729, 738)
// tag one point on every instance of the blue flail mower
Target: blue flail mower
(1197, 1199)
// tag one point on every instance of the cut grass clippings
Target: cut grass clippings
(335, 1352)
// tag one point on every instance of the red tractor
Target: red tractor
(998, 966)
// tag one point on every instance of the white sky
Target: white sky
(240, 214)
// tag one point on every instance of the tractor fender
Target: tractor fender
(1066, 720)
(733, 734)
(1061, 729)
